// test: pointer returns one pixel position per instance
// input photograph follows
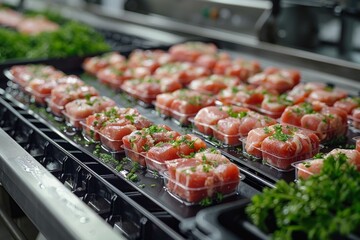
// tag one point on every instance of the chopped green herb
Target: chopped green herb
(279, 134)
(206, 167)
(205, 202)
(267, 130)
(307, 164)
(131, 118)
(219, 197)
(119, 168)
(319, 155)
(132, 177)
(146, 147)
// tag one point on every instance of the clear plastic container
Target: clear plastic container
(55, 109)
(38, 97)
(192, 196)
(22, 84)
(135, 156)
(181, 118)
(278, 162)
(89, 132)
(306, 168)
(109, 144)
(327, 135)
(208, 131)
(151, 164)
(142, 96)
(112, 82)
(72, 121)
(273, 114)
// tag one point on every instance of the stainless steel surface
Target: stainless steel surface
(56, 212)
(169, 31)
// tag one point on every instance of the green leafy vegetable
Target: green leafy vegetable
(317, 208)
(72, 39)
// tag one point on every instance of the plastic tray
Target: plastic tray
(74, 122)
(226, 140)
(146, 98)
(89, 132)
(39, 98)
(324, 136)
(55, 109)
(225, 189)
(22, 84)
(276, 161)
(181, 118)
(111, 145)
(305, 172)
(151, 164)
(273, 114)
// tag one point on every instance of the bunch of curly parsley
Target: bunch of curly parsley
(324, 206)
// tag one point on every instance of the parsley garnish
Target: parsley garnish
(205, 202)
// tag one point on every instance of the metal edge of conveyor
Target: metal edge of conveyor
(56, 212)
(234, 40)
(170, 31)
(242, 42)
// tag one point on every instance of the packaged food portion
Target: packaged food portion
(183, 146)
(228, 95)
(182, 104)
(229, 123)
(93, 64)
(239, 68)
(138, 143)
(326, 122)
(328, 95)
(10, 18)
(154, 146)
(305, 169)
(184, 72)
(192, 179)
(65, 93)
(114, 76)
(23, 74)
(301, 91)
(348, 104)
(41, 88)
(111, 125)
(79, 109)
(150, 59)
(355, 118)
(211, 60)
(281, 145)
(36, 25)
(256, 98)
(280, 80)
(148, 88)
(213, 84)
(191, 51)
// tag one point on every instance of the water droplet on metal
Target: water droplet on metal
(84, 219)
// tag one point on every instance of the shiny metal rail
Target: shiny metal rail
(56, 212)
